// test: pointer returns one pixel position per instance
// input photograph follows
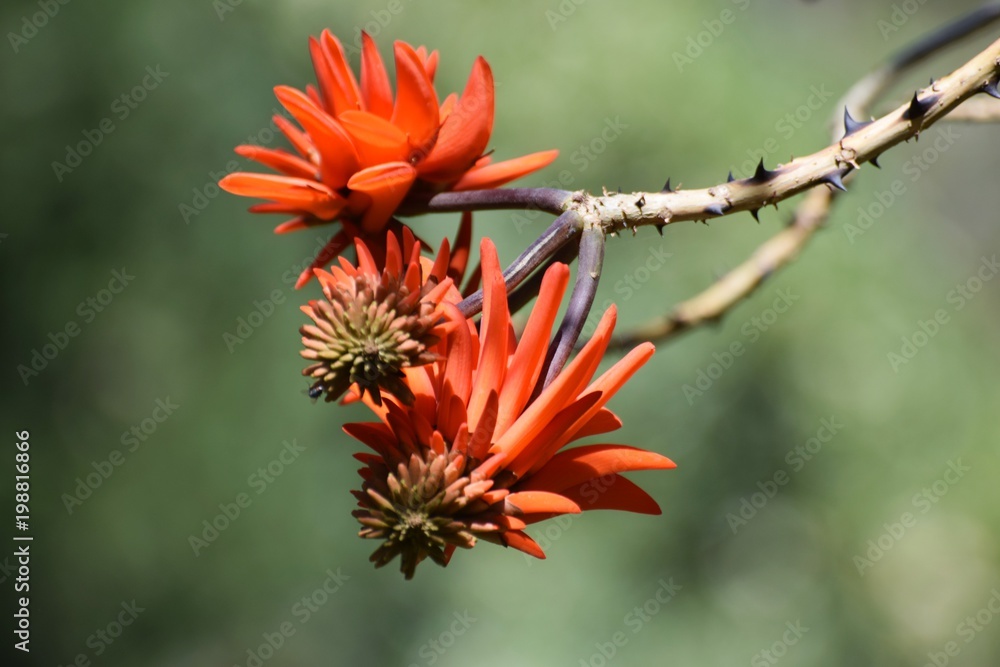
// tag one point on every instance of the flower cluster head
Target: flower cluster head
(360, 152)
(373, 323)
(474, 422)
(477, 455)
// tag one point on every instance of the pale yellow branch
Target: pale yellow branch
(952, 93)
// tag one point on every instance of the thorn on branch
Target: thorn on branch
(716, 209)
(730, 179)
(666, 187)
(851, 125)
(918, 107)
(762, 174)
(836, 179)
(755, 213)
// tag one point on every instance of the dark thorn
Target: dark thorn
(851, 125)
(730, 179)
(641, 201)
(715, 209)
(990, 88)
(756, 217)
(660, 227)
(919, 107)
(762, 174)
(619, 189)
(874, 162)
(835, 180)
(667, 188)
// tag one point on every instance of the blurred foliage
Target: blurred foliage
(564, 69)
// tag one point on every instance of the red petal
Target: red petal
(466, 132)
(338, 158)
(495, 175)
(493, 332)
(377, 140)
(279, 160)
(603, 421)
(616, 493)
(375, 88)
(533, 502)
(522, 542)
(308, 196)
(416, 110)
(299, 139)
(343, 95)
(572, 467)
(526, 364)
(557, 395)
(387, 185)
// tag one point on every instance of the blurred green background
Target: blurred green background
(871, 549)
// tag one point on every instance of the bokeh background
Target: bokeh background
(828, 570)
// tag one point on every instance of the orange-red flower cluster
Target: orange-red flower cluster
(360, 151)
(472, 456)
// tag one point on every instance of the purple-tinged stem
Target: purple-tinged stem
(588, 274)
(560, 232)
(550, 200)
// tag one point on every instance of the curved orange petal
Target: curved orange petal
(343, 95)
(386, 185)
(466, 132)
(376, 139)
(534, 502)
(494, 337)
(616, 493)
(557, 395)
(603, 421)
(526, 364)
(338, 158)
(499, 173)
(416, 110)
(572, 467)
(299, 139)
(303, 194)
(609, 383)
(375, 89)
(278, 160)
(521, 542)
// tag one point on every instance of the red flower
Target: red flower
(373, 323)
(360, 152)
(474, 457)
